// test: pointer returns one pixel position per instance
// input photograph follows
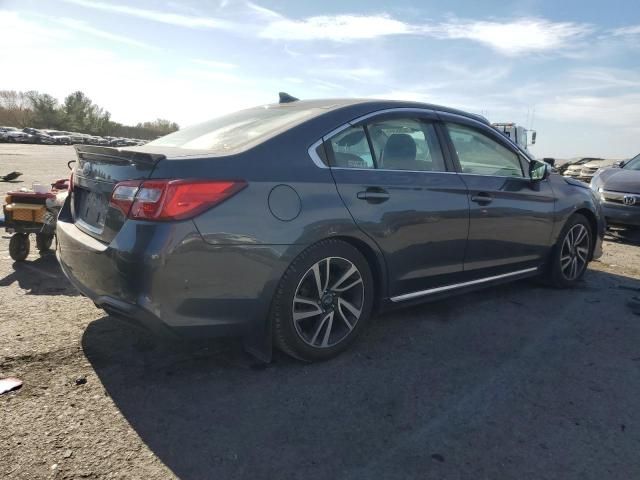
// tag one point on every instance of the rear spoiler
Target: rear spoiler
(116, 155)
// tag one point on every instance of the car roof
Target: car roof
(376, 104)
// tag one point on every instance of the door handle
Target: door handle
(482, 198)
(374, 195)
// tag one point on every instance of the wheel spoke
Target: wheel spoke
(316, 275)
(565, 261)
(582, 253)
(351, 308)
(297, 316)
(358, 281)
(582, 233)
(327, 330)
(319, 328)
(343, 278)
(305, 301)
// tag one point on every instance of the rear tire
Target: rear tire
(43, 242)
(323, 301)
(571, 254)
(19, 246)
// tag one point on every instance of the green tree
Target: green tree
(46, 111)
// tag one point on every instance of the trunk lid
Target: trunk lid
(95, 175)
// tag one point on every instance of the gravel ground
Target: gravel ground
(519, 382)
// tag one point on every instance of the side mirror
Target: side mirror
(533, 137)
(550, 161)
(539, 171)
(618, 164)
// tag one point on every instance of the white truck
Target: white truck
(518, 134)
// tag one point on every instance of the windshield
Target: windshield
(633, 164)
(239, 130)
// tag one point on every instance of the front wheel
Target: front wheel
(570, 256)
(323, 301)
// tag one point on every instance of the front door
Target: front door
(511, 217)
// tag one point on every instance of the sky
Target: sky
(568, 69)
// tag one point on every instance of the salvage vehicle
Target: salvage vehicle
(39, 136)
(4, 131)
(573, 169)
(291, 224)
(589, 169)
(18, 136)
(619, 191)
(61, 138)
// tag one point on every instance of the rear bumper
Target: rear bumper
(165, 277)
(621, 215)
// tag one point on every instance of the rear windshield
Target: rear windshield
(239, 130)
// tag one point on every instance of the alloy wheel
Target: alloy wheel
(328, 302)
(575, 251)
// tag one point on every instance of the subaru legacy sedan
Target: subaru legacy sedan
(292, 224)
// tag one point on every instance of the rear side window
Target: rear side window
(406, 144)
(350, 149)
(389, 144)
(480, 155)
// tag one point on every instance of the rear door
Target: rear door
(393, 177)
(511, 217)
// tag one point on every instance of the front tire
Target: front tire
(571, 255)
(323, 301)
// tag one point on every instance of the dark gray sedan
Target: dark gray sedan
(619, 192)
(291, 224)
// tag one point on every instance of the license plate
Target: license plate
(93, 208)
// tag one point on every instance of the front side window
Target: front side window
(480, 155)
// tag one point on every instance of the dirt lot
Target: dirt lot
(517, 382)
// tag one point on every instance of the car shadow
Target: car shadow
(629, 236)
(208, 410)
(40, 276)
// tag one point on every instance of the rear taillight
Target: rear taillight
(171, 199)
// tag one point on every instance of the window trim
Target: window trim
(318, 161)
(424, 115)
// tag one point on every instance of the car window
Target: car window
(350, 149)
(633, 164)
(405, 144)
(480, 155)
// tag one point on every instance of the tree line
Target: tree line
(77, 113)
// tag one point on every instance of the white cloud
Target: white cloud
(358, 74)
(514, 37)
(623, 31)
(181, 20)
(614, 111)
(338, 28)
(214, 64)
(83, 27)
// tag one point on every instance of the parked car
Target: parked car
(61, 138)
(573, 169)
(590, 168)
(39, 136)
(294, 223)
(18, 136)
(4, 132)
(619, 191)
